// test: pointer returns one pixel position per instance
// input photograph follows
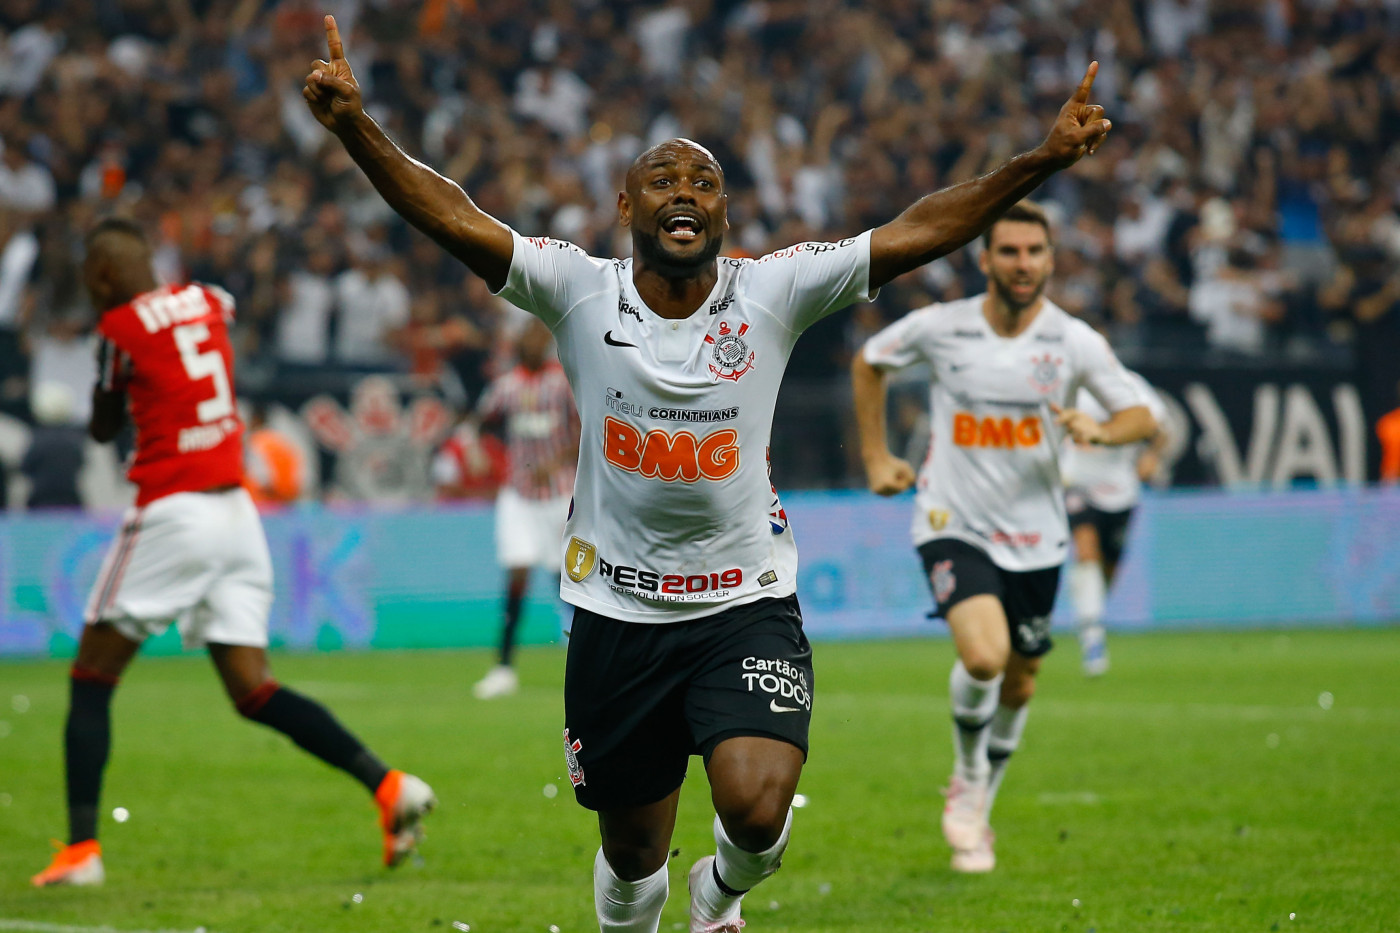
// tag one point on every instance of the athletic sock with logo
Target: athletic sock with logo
(1087, 589)
(628, 906)
(736, 871)
(87, 738)
(1003, 738)
(974, 702)
(311, 725)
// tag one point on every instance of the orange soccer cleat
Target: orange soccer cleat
(79, 863)
(403, 802)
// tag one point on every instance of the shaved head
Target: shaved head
(672, 150)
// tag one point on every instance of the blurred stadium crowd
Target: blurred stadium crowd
(1245, 208)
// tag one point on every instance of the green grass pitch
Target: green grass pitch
(1200, 786)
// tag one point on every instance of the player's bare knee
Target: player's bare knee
(632, 861)
(984, 662)
(756, 822)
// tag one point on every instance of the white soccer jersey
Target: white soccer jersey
(1105, 476)
(674, 515)
(991, 476)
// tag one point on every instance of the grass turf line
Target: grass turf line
(1199, 786)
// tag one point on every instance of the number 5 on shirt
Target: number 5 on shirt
(209, 364)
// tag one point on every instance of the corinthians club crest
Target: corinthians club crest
(1045, 373)
(731, 353)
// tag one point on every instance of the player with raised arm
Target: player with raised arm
(989, 514)
(191, 549)
(687, 636)
(1102, 488)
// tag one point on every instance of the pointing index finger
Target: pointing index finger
(1081, 93)
(333, 40)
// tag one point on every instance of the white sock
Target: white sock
(974, 702)
(1004, 736)
(1087, 590)
(739, 870)
(627, 906)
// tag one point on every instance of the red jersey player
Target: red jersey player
(191, 549)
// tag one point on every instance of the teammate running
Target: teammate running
(989, 513)
(1103, 486)
(687, 637)
(192, 547)
(533, 403)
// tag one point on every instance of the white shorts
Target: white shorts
(199, 559)
(530, 532)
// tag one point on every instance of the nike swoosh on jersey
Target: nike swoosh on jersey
(608, 339)
(773, 705)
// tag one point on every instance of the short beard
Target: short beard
(648, 247)
(1004, 295)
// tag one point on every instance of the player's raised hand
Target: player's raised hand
(1080, 127)
(331, 90)
(889, 475)
(1080, 426)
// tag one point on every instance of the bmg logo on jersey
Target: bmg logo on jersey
(971, 431)
(670, 457)
(784, 681)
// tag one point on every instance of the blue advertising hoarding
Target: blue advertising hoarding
(426, 577)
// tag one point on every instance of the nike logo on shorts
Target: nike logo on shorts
(608, 339)
(773, 705)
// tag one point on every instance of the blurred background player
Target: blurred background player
(533, 405)
(989, 514)
(1103, 485)
(192, 547)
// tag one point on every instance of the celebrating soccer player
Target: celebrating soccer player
(687, 637)
(989, 514)
(191, 549)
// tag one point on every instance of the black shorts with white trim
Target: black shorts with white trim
(640, 699)
(956, 570)
(1111, 526)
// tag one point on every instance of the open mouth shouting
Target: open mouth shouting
(682, 226)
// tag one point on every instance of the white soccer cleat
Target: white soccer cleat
(979, 859)
(403, 802)
(1093, 651)
(730, 923)
(500, 681)
(964, 815)
(77, 864)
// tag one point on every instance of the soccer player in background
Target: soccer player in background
(533, 405)
(1103, 486)
(687, 636)
(191, 549)
(989, 512)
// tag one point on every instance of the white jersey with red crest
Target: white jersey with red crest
(992, 476)
(674, 513)
(169, 350)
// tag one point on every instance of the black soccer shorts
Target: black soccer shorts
(1111, 526)
(640, 699)
(956, 570)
